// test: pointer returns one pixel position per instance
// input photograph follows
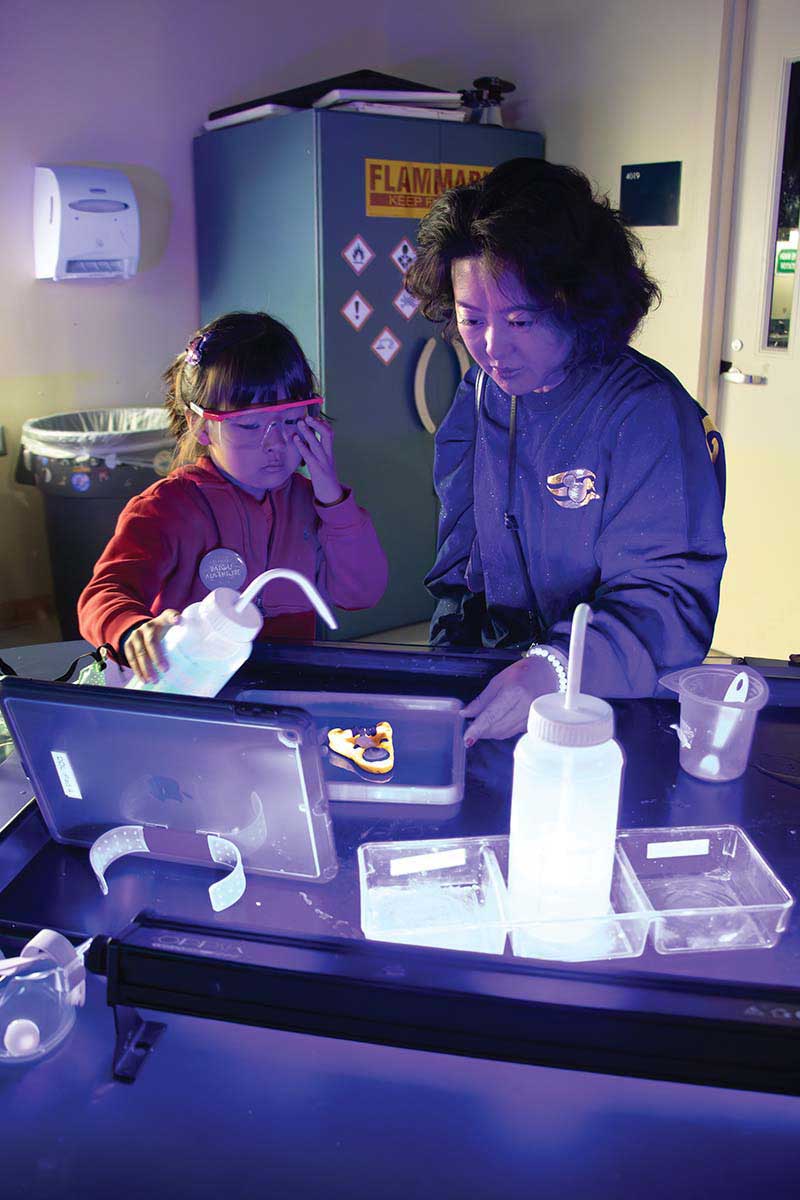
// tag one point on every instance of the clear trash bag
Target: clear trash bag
(115, 436)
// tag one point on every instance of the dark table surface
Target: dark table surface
(221, 1106)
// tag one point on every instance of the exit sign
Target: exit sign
(787, 262)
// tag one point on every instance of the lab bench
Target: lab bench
(299, 1058)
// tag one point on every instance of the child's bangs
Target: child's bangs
(256, 373)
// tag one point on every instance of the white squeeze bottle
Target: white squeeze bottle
(564, 813)
(214, 637)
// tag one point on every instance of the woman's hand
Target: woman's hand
(143, 648)
(314, 440)
(501, 710)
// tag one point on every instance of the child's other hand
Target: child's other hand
(314, 440)
(143, 648)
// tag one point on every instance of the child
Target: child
(244, 409)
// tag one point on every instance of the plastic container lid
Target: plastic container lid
(219, 613)
(589, 723)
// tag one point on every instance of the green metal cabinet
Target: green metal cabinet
(282, 225)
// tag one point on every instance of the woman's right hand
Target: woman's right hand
(143, 647)
(501, 710)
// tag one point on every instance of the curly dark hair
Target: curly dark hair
(571, 250)
(239, 359)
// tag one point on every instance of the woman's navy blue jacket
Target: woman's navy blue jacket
(617, 503)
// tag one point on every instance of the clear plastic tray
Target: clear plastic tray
(448, 893)
(452, 893)
(428, 743)
(694, 889)
(710, 889)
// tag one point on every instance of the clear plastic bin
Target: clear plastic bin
(621, 933)
(448, 893)
(428, 743)
(710, 889)
(693, 888)
(452, 893)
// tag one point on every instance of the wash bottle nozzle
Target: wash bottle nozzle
(572, 718)
(580, 619)
(252, 590)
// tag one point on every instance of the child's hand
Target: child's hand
(143, 648)
(317, 452)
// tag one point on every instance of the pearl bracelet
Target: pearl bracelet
(545, 652)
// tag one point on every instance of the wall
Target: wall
(126, 86)
(608, 82)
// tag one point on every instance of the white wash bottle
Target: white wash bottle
(214, 637)
(564, 814)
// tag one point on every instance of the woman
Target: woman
(570, 467)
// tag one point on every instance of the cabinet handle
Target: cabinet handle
(462, 354)
(420, 376)
(420, 401)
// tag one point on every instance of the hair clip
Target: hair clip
(194, 350)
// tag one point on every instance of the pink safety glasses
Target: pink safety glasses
(208, 415)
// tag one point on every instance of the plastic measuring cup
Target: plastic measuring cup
(719, 706)
(39, 991)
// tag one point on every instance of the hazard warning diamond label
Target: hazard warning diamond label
(403, 255)
(405, 303)
(386, 345)
(356, 310)
(358, 254)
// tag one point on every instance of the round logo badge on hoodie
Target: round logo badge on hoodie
(222, 568)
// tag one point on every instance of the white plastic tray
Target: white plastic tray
(428, 743)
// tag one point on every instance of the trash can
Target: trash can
(87, 466)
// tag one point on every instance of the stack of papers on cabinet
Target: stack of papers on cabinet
(432, 99)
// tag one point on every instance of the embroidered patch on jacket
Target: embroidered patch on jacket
(573, 489)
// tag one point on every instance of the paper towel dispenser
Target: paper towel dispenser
(85, 223)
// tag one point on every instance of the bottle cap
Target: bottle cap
(219, 613)
(588, 723)
(572, 718)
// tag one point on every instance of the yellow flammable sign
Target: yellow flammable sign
(408, 189)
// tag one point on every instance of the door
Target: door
(759, 399)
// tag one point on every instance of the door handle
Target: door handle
(734, 375)
(420, 377)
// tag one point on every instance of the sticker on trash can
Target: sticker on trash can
(80, 481)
